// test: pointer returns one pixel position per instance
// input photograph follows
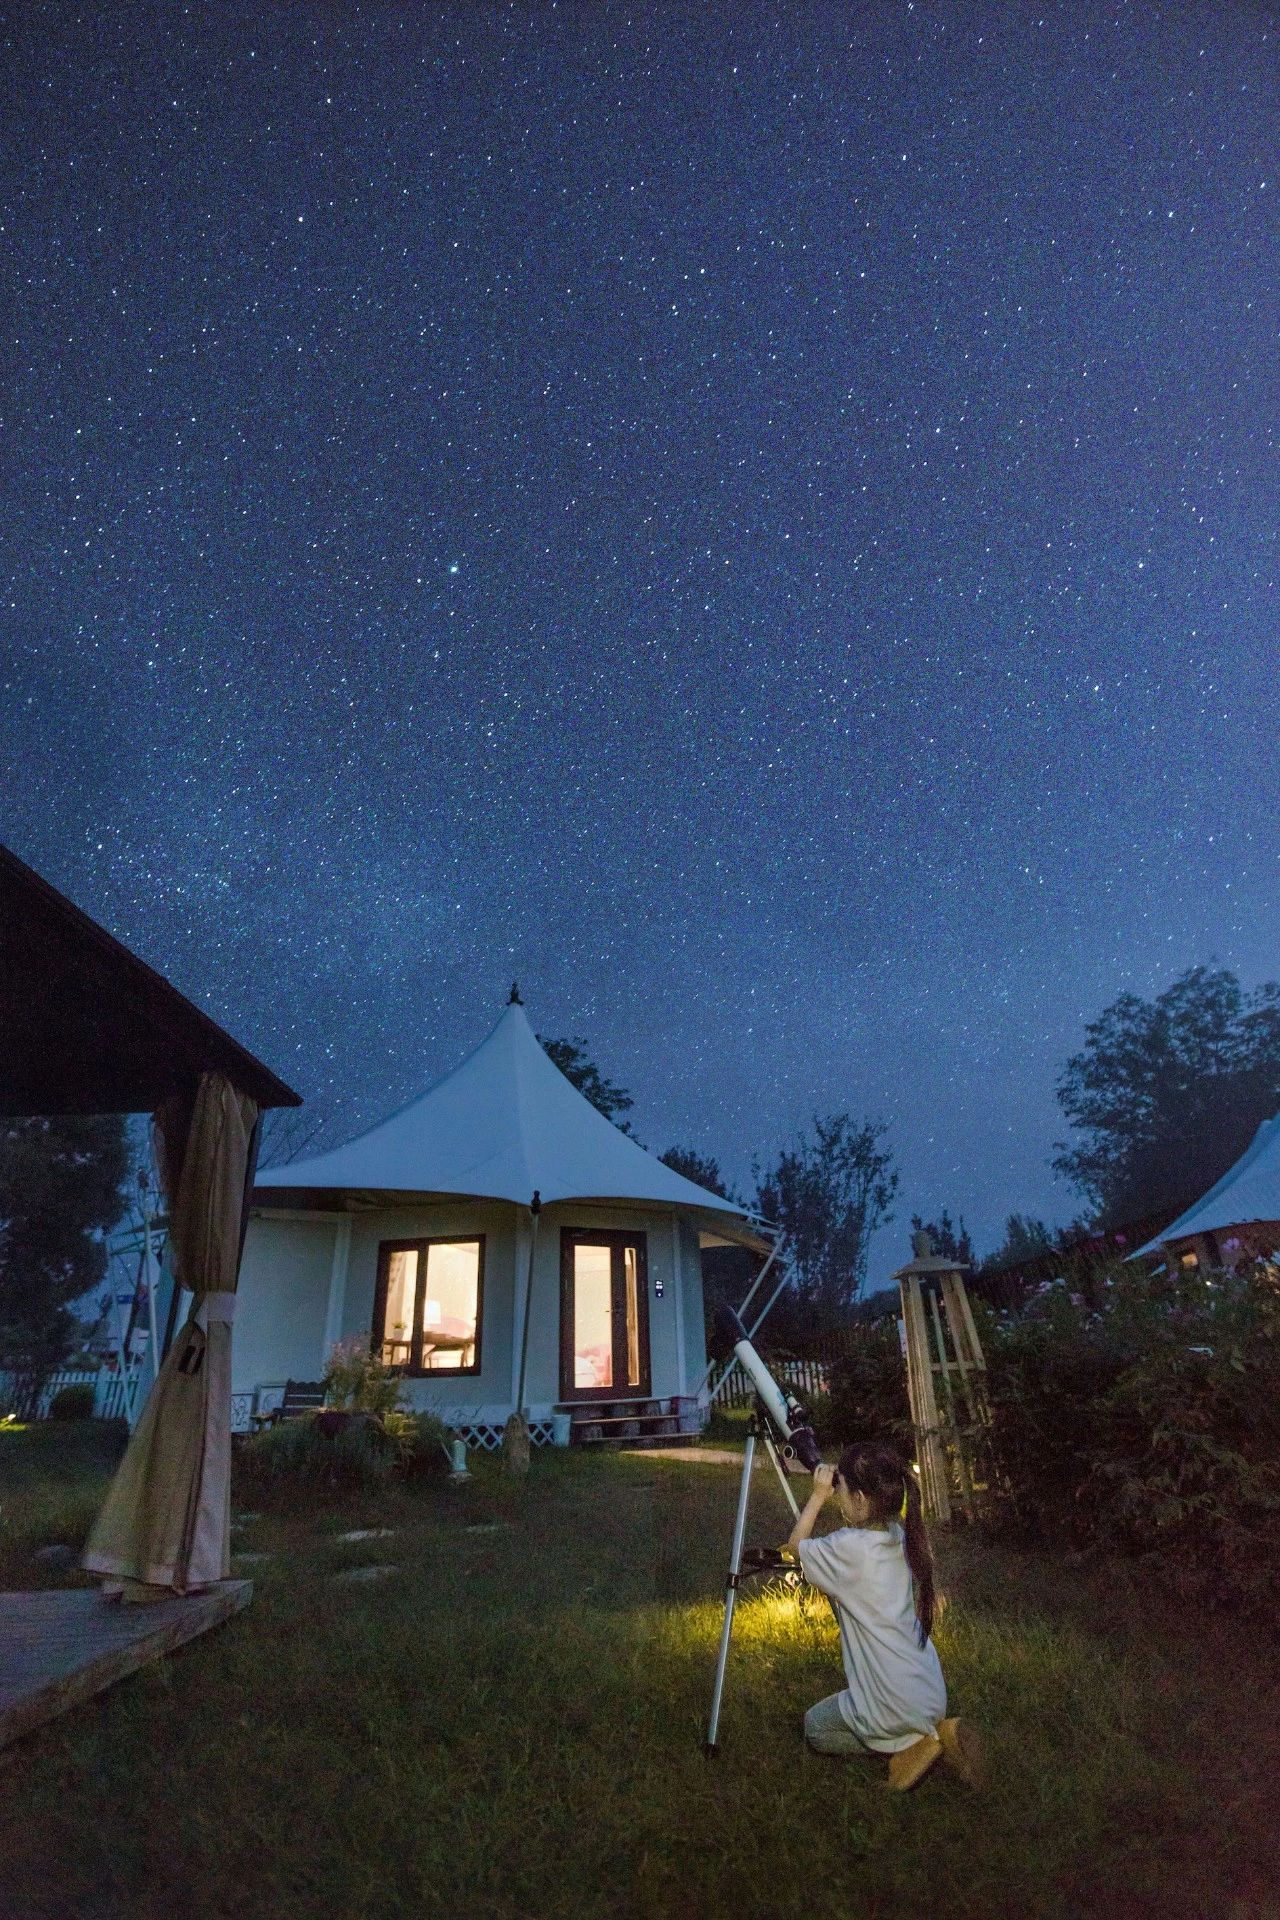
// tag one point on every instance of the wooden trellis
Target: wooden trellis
(946, 1381)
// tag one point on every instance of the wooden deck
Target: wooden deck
(61, 1647)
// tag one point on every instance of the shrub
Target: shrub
(727, 1423)
(867, 1395)
(356, 1380)
(338, 1455)
(1049, 1371)
(1189, 1472)
(72, 1403)
(1150, 1428)
(420, 1442)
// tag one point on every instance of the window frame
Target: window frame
(421, 1244)
(615, 1239)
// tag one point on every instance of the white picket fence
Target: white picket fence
(111, 1389)
(803, 1377)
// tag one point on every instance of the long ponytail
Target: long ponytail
(892, 1492)
(919, 1556)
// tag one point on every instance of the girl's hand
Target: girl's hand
(823, 1481)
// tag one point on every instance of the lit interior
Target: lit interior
(443, 1312)
(402, 1291)
(453, 1297)
(633, 1316)
(592, 1317)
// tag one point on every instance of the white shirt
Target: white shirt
(896, 1691)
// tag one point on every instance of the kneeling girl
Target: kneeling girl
(877, 1571)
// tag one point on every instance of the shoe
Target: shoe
(912, 1763)
(963, 1750)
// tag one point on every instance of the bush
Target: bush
(356, 1380)
(1150, 1428)
(340, 1455)
(420, 1442)
(1190, 1473)
(867, 1394)
(72, 1403)
(1049, 1371)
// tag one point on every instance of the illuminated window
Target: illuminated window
(604, 1320)
(427, 1307)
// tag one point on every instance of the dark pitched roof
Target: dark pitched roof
(87, 1027)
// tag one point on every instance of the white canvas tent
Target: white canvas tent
(506, 1182)
(1243, 1208)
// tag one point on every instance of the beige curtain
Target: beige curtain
(166, 1519)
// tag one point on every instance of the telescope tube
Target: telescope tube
(782, 1408)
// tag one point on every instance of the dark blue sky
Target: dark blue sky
(760, 522)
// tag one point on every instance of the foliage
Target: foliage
(829, 1193)
(951, 1241)
(357, 1380)
(867, 1394)
(698, 1167)
(318, 1452)
(72, 1403)
(421, 1444)
(1049, 1369)
(1151, 1428)
(1025, 1238)
(52, 1480)
(576, 1064)
(1168, 1093)
(60, 1192)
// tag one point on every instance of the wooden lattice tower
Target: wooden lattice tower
(946, 1381)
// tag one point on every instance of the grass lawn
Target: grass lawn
(511, 1726)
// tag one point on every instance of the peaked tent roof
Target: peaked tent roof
(502, 1126)
(1247, 1192)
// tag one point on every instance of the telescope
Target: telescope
(785, 1427)
(791, 1421)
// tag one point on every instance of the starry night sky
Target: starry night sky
(758, 522)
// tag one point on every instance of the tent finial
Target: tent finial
(514, 999)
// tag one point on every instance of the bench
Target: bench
(300, 1396)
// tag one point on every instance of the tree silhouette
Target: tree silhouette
(60, 1193)
(698, 1167)
(951, 1241)
(1168, 1093)
(576, 1064)
(829, 1192)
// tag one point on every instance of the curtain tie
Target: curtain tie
(214, 1308)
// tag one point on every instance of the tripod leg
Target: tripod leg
(783, 1476)
(731, 1590)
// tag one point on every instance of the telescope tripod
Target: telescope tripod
(744, 1562)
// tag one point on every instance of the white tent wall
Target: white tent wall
(280, 1314)
(307, 1278)
(461, 1220)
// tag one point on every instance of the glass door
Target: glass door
(604, 1316)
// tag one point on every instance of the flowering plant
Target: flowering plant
(357, 1380)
